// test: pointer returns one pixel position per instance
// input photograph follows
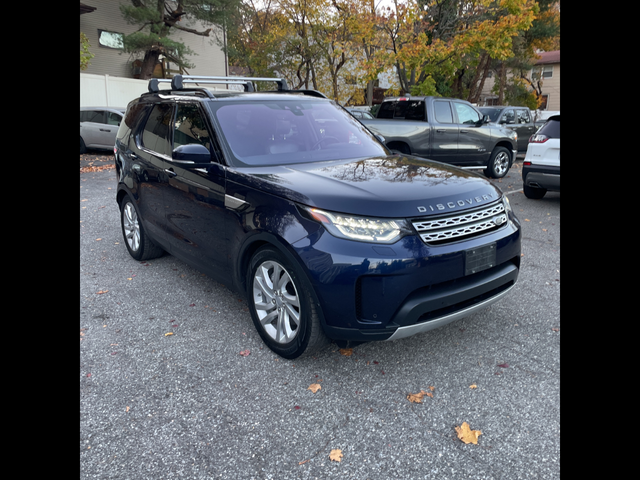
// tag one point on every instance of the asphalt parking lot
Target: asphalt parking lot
(176, 383)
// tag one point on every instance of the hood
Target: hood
(390, 186)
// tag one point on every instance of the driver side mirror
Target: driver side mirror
(192, 153)
(484, 120)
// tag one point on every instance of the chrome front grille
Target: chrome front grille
(461, 225)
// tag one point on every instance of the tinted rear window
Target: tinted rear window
(552, 128)
(407, 109)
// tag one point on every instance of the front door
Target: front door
(474, 140)
(194, 202)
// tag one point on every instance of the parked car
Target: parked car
(98, 127)
(541, 166)
(541, 116)
(518, 119)
(294, 204)
(360, 113)
(448, 130)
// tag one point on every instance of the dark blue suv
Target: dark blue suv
(288, 199)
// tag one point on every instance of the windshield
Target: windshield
(493, 113)
(279, 132)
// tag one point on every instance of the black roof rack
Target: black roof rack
(178, 82)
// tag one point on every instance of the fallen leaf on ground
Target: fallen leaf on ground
(335, 455)
(555, 329)
(416, 397)
(127, 409)
(314, 387)
(101, 292)
(347, 352)
(473, 386)
(303, 462)
(503, 365)
(168, 333)
(467, 435)
(244, 353)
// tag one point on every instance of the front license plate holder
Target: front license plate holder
(479, 259)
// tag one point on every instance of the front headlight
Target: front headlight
(361, 229)
(507, 205)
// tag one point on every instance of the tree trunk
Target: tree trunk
(479, 78)
(503, 80)
(149, 64)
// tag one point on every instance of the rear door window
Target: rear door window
(443, 112)
(157, 131)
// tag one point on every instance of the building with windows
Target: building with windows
(102, 22)
(548, 68)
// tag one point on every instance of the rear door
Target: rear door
(150, 151)
(444, 133)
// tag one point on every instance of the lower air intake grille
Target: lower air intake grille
(461, 225)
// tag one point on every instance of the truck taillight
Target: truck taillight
(538, 138)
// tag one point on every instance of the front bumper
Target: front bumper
(388, 292)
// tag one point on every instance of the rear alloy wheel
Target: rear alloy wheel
(139, 245)
(499, 163)
(282, 309)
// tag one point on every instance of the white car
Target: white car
(98, 127)
(541, 166)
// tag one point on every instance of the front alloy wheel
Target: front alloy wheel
(282, 305)
(276, 301)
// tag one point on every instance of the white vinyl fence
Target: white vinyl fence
(108, 91)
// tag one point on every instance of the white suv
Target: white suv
(541, 167)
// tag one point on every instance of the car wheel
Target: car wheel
(499, 163)
(282, 307)
(83, 147)
(139, 245)
(534, 193)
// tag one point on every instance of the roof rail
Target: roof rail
(177, 82)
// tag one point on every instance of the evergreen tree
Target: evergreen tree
(159, 19)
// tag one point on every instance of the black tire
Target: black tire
(282, 307)
(83, 147)
(499, 163)
(534, 193)
(138, 243)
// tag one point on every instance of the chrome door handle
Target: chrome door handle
(170, 172)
